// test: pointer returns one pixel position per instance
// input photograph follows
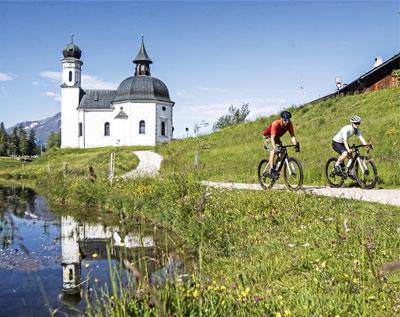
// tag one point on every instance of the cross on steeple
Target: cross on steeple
(72, 38)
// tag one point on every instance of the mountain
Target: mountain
(42, 128)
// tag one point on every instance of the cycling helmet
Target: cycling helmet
(286, 115)
(355, 119)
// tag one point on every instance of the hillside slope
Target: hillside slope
(233, 153)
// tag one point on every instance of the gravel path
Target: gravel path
(383, 196)
(150, 163)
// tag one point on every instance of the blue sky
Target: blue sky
(209, 54)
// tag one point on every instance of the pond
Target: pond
(53, 261)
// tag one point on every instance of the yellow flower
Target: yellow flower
(195, 293)
(278, 314)
(287, 312)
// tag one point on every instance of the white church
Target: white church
(139, 112)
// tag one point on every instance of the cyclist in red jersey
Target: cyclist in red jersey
(274, 132)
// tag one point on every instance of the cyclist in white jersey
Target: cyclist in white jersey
(339, 142)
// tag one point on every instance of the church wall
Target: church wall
(164, 114)
(69, 115)
(93, 129)
(137, 112)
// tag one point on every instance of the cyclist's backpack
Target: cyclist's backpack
(267, 131)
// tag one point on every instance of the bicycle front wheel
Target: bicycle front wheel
(293, 172)
(366, 173)
(264, 178)
(333, 178)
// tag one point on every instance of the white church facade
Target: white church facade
(139, 112)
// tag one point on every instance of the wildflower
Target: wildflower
(306, 245)
(291, 245)
(323, 264)
(278, 314)
(287, 312)
(195, 293)
(256, 299)
(94, 255)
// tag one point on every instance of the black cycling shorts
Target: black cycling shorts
(338, 147)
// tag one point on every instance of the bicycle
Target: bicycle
(292, 170)
(360, 168)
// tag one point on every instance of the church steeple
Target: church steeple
(142, 61)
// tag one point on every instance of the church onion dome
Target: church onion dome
(142, 88)
(72, 50)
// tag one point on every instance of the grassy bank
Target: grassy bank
(272, 253)
(233, 153)
(77, 161)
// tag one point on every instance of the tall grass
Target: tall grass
(232, 154)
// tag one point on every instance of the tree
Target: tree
(54, 140)
(23, 141)
(3, 140)
(236, 115)
(32, 143)
(14, 142)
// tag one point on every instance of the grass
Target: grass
(77, 161)
(233, 153)
(272, 253)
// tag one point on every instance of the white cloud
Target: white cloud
(53, 95)
(54, 76)
(4, 77)
(88, 81)
(212, 89)
(35, 83)
(92, 82)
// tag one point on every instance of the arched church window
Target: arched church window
(142, 127)
(70, 76)
(163, 128)
(107, 129)
(80, 129)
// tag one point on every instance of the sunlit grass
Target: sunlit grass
(233, 154)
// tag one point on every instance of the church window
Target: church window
(70, 76)
(80, 129)
(163, 108)
(142, 127)
(107, 129)
(163, 128)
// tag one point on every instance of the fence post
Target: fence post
(65, 169)
(112, 167)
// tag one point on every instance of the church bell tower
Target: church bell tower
(71, 128)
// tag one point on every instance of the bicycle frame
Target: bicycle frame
(283, 159)
(357, 159)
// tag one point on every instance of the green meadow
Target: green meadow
(253, 253)
(233, 153)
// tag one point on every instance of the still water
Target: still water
(51, 261)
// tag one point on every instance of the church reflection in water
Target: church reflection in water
(84, 241)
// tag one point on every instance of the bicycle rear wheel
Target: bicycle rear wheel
(293, 173)
(366, 174)
(264, 178)
(333, 179)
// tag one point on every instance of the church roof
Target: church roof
(142, 55)
(96, 99)
(142, 88)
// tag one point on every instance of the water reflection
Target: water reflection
(48, 260)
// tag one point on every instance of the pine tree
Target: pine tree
(3, 140)
(14, 142)
(54, 139)
(32, 143)
(23, 141)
